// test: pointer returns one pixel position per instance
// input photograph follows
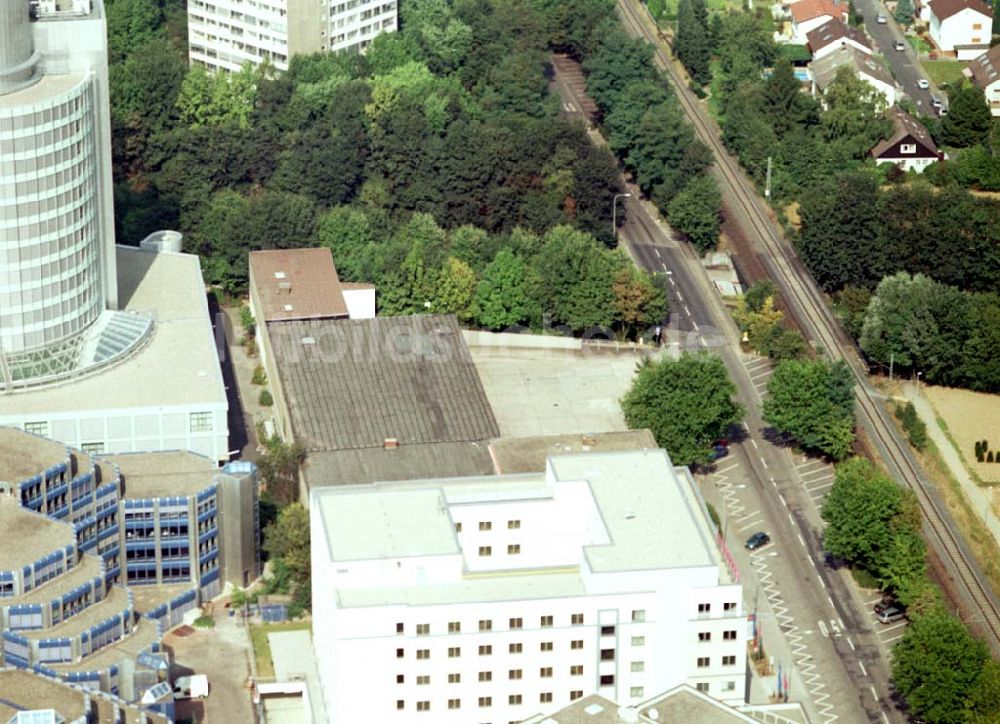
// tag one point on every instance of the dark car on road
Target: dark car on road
(757, 540)
(886, 602)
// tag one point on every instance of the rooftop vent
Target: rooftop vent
(279, 275)
(288, 307)
(628, 714)
(589, 440)
(284, 287)
(390, 443)
(308, 340)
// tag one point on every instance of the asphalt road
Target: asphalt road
(904, 63)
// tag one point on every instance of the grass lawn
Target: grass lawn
(944, 71)
(918, 44)
(262, 649)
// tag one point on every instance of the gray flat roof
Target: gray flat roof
(161, 474)
(681, 705)
(528, 454)
(649, 507)
(406, 462)
(148, 597)
(46, 87)
(651, 510)
(30, 691)
(178, 366)
(144, 636)
(351, 384)
(28, 536)
(88, 568)
(23, 455)
(115, 602)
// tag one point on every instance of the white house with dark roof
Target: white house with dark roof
(984, 72)
(865, 66)
(496, 598)
(962, 27)
(807, 15)
(833, 35)
(909, 146)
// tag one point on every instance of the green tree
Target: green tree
(936, 666)
(279, 471)
(574, 278)
(502, 298)
(693, 43)
(984, 701)
(854, 121)
(904, 12)
(212, 100)
(640, 300)
(287, 540)
(784, 103)
(350, 236)
(695, 212)
(968, 121)
(455, 289)
(859, 511)
(686, 403)
(131, 25)
(812, 401)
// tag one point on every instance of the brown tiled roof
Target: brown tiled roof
(297, 284)
(944, 9)
(835, 31)
(903, 125)
(808, 9)
(985, 69)
(352, 384)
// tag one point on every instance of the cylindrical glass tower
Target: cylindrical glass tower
(50, 233)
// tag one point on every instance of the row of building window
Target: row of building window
(705, 637)
(544, 672)
(487, 525)
(455, 652)
(706, 608)
(706, 661)
(516, 623)
(512, 550)
(485, 702)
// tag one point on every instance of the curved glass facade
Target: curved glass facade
(50, 263)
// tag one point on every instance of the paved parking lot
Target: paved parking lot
(223, 653)
(887, 633)
(552, 392)
(759, 369)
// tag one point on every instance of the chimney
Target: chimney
(390, 443)
(589, 440)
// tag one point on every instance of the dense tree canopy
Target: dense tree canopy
(813, 402)
(686, 403)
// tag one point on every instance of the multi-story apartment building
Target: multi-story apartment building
(226, 34)
(491, 599)
(111, 552)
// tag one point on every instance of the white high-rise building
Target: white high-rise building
(491, 599)
(57, 238)
(225, 34)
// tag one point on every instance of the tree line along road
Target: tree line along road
(807, 304)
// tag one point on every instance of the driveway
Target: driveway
(905, 66)
(223, 653)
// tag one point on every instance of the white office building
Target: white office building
(491, 599)
(226, 34)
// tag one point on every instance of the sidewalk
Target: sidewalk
(978, 498)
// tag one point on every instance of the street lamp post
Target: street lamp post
(614, 214)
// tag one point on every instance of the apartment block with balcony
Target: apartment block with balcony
(226, 34)
(495, 598)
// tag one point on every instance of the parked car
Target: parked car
(191, 687)
(757, 540)
(936, 102)
(923, 84)
(718, 451)
(881, 19)
(892, 614)
(942, 111)
(899, 45)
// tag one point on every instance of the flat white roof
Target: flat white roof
(652, 513)
(179, 366)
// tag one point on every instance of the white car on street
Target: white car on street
(923, 84)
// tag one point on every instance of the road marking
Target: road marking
(885, 718)
(703, 342)
(850, 643)
(657, 252)
(754, 443)
(828, 597)
(680, 296)
(763, 462)
(790, 518)
(822, 629)
(687, 310)
(874, 693)
(821, 582)
(863, 669)
(664, 269)
(783, 501)
(771, 478)
(672, 282)
(744, 517)
(774, 483)
(801, 540)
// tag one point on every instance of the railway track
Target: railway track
(808, 304)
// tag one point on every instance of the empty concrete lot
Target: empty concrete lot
(553, 391)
